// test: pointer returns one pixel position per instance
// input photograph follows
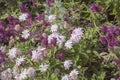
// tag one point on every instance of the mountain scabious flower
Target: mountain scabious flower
(54, 28)
(31, 72)
(6, 75)
(60, 56)
(65, 77)
(76, 35)
(23, 16)
(21, 60)
(118, 78)
(68, 44)
(96, 8)
(110, 37)
(25, 34)
(14, 52)
(67, 64)
(37, 55)
(51, 18)
(44, 67)
(2, 54)
(75, 38)
(60, 39)
(74, 75)
(23, 75)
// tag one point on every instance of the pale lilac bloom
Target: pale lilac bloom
(67, 64)
(65, 77)
(3, 49)
(60, 38)
(51, 18)
(23, 74)
(20, 60)
(6, 75)
(14, 52)
(37, 55)
(31, 72)
(44, 67)
(23, 16)
(76, 35)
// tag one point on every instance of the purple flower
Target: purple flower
(103, 40)
(46, 23)
(96, 8)
(44, 40)
(23, 8)
(118, 78)
(117, 61)
(116, 31)
(40, 17)
(2, 56)
(104, 28)
(54, 41)
(67, 19)
(90, 24)
(12, 20)
(60, 56)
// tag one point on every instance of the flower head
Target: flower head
(65, 77)
(23, 16)
(51, 18)
(31, 72)
(25, 34)
(74, 74)
(44, 67)
(20, 60)
(67, 64)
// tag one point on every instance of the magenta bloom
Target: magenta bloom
(110, 37)
(60, 56)
(96, 8)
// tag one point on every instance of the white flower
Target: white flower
(67, 64)
(53, 35)
(23, 16)
(37, 55)
(75, 38)
(74, 74)
(20, 60)
(25, 34)
(54, 28)
(51, 18)
(78, 31)
(3, 49)
(44, 67)
(12, 53)
(23, 75)
(68, 44)
(31, 72)
(60, 38)
(6, 75)
(76, 35)
(66, 77)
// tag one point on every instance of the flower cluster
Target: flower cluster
(111, 36)
(51, 40)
